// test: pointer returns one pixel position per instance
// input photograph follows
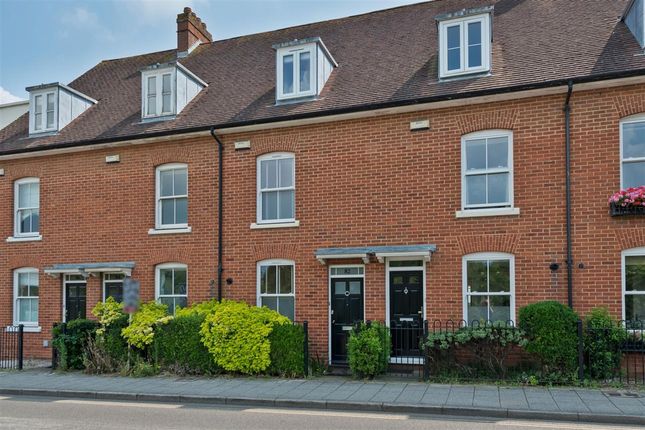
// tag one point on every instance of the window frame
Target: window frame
(487, 256)
(274, 156)
(36, 127)
(313, 72)
(277, 295)
(165, 266)
(463, 22)
(158, 198)
(17, 208)
(105, 281)
(158, 74)
(634, 119)
(16, 297)
(633, 252)
(487, 134)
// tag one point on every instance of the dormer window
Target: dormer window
(464, 44)
(635, 20)
(53, 106)
(167, 89)
(302, 69)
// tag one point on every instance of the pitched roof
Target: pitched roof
(385, 58)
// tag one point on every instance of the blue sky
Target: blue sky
(45, 41)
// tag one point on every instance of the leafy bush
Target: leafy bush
(603, 336)
(368, 350)
(107, 313)
(71, 343)
(140, 332)
(551, 331)
(237, 336)
(490, 345)
(201, 308)
(178, 346)
(287, 350)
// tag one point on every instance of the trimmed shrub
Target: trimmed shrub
(202, 308)
(178, 346)
(287, 350)
(603, 336)
(237, 336)
(368, 350)
(71, 344)
(140, 332)
(552, 336)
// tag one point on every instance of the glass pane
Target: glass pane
(500, 308)
(347, 270)
(474, 44)
(286, 199)
(286, 279)
(498, 153)
(181, 182)
(474, 33)
(50, 110)
(35, 220)
(181, 211)
(180, 282)
(271, 280)
(397, 280)
(263, 279)
(305, 71)
(165, 103)
(152, 85)
(340, 287)
(477, 309)
(270, 302)
(633, 174)
(38, 101)
(634, 307)
(454, 59)
(165, 83)
(286, 172)
(165, 179)
(24, 310)
(635, 273)
(34, 310)
(404, 263)
(114, 290)
(34, 195)
(165, 282)
(500, 276)
(168, 211)
(38, 121)
(264, 171)
(287, 74)
(476, 154)
(271, 174)
(23, 284)
(181, 302)
(454, 47)
(475, 190)
(454, 35)
(286, 307)
(168, 301)
(270, 205)
(25, 221)
(634, 140)
(477, 274)
(152, 105)
(355, 287)
(23, 195)
(498, 188)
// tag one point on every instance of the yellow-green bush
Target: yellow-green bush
(107, 313)
(140, 333)
(237, 335)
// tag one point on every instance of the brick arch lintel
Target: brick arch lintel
(159, 158)
(266, 145)
(629, 104)
(502, 119)
(487, 243)
(161, 256)
(274, 251)
(631, 238)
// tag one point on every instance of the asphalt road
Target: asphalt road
(69, 414)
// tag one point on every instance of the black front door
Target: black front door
(406, 312)
(75, 299)
(346, 310)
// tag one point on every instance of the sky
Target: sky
(43, 41)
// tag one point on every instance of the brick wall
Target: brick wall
(358, 183)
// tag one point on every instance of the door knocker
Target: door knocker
(346, 293)
(405, 290)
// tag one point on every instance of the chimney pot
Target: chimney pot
(190, 30)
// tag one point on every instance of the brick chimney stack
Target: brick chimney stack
(190, 29)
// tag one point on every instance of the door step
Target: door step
(339, 370)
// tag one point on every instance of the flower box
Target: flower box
(630, 201)
(617, 210)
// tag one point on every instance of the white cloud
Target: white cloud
(7, 97)
(85, 21)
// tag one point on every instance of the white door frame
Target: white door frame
(65, 282)
(329, 279)
(389, 269)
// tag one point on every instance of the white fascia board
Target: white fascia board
(191, 74)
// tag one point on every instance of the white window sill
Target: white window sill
(290, 224)
(24, 238)
(25, 329)
(154, 231)
(475, 213)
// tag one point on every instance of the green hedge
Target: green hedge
(287, 350)
(368, 350)
(71, 344)
(603, 336)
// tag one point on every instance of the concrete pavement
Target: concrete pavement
(589, 405)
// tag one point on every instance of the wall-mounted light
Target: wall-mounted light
(420, 124)
(1, 172)
(554, 267)
(229, 281)
(243, 144)
(112, 159)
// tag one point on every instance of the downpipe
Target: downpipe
(220, 211)
(567, 131)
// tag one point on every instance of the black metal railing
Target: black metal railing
(11, 347)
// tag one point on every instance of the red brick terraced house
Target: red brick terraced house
(444, 160)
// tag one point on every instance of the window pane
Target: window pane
(23, 284)
(477, 276)
(498, 153)
(271, 280)
(263, 279)
(454, 47)
(474, 44)
(165, 180)
(181, 180)
(355, 287)
(286, 279)
(264, 171)
(114, 290)
(454, 35)
(634, 307)
(24, 198)
(35, 220)
(476, 154)
(165, 83)
(181, 302)
(286, 172)
(165, 282)
(50, 110)
(152, 105)
(270, 205)
(26, 221)
(498, 188)
(165, 103)
(38, 101)
(287, 74)
(181, 211)
(340, 287)
(474, 33)
(477, 309)
(168, 301)
(152, 85)
(500, 308)
(286, 307)
(405, 263)
(286, 199)
(24, 310)
(633, 174)
(635, 273)
(475, 190)
(634, 140)
(454, 59)
(305, 71)
(500, 276)
(270, 302)
(271, 174)
(168, 211)
(180, 281)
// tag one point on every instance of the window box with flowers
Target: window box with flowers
(630, 201)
